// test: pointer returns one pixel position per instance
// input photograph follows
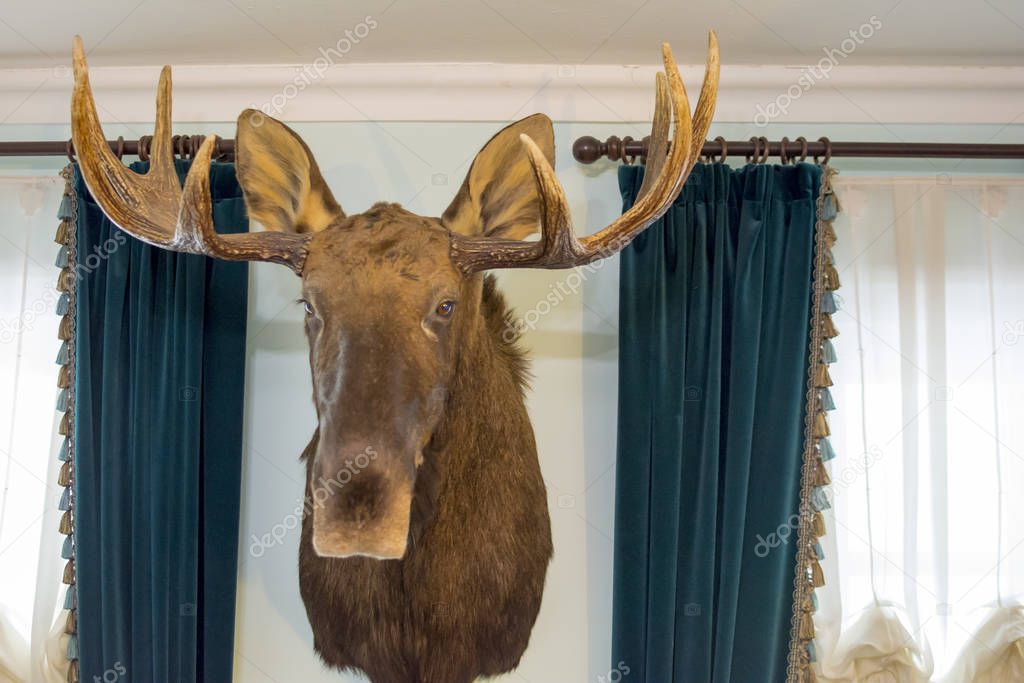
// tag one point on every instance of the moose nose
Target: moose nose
(360, 511)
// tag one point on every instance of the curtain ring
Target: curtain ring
(197, 142)
(69, 149)
(783, 159)
(724, 150)
(764, 150)
(753, 156)
(144, 147)
(120, 147)
(803, 149)
(627, 160)
(828, 152)
(704, 158)
(645, 145)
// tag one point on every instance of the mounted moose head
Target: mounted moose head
(428, 564)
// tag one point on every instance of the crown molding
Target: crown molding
(501, 92)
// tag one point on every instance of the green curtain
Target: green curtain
(713, 349)
(160, 368)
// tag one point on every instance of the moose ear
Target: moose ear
(283, 188)
(499, 197)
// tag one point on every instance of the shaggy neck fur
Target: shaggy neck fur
(462, 601)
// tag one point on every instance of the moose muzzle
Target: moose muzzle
(361, 504)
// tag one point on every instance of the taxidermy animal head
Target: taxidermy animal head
(392, 299)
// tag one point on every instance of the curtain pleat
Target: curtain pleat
(714, 317)
(161, 348)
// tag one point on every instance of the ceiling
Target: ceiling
(37, 33)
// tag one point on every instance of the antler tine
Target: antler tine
(116, 188)
(658, 150)
(153, 207)
(558, 247)
(666, 174)
(161, 165)
(195, 233)
(669, 182)
(705, 109)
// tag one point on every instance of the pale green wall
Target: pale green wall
(574, 351)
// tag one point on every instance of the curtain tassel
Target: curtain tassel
(69, 572)
(73, 647)
(806, 626)
(63, 235)
(64, 331)
(63, 303)
(821, 377)
(825, 399)
(828, 302)
(817, 575)
(828, 328)
(71, 598)
(820, 425)
(65, 522)
(73, 671)
(832, 277)
(821, 477)
(71, 623)
(64, 355)
(819, 524)
(63, 399)
(64, 211)
(819, 499)
(825, 449)
(67, 550)
(64, 377)
(828, 352)
(64, 477)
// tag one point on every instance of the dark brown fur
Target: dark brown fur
(463, 600)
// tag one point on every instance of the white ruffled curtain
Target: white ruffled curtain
(924, 551)
(31, 628)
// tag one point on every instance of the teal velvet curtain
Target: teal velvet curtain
(713, 351)
(160, 369)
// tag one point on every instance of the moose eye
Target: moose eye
(445, 308)
(308, 307)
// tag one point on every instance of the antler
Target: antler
(558, 246)
(153, 207)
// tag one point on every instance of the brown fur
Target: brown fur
(463, 600)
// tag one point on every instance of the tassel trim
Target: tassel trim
(66, 285)
(815, 478)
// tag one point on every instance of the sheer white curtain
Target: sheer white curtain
(925, 544)
(30, 565)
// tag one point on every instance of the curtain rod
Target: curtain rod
(588, 149)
